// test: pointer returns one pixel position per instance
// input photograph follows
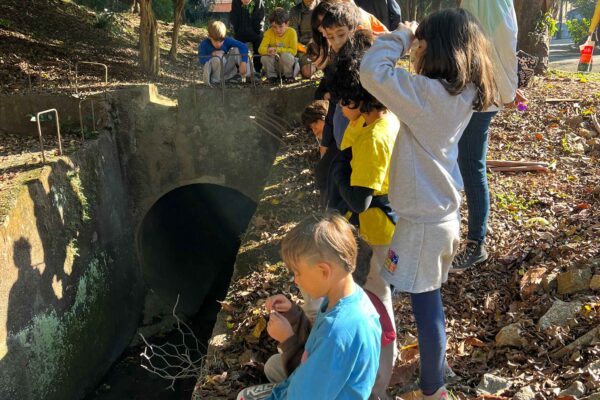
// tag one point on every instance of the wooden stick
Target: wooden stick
(503, 163)
(596, 123)
(554, 100)
(524, 168)
(580, 341)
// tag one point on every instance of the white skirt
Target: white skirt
(420, 255)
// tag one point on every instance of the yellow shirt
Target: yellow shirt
(288, 43)
(372, 147)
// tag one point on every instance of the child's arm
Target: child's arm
(402, 93)
(357, 198)
(240, 46)
(204, 50)
(263, 49)
(290, 43)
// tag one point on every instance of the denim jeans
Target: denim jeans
(472, 151)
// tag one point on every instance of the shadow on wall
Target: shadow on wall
(188, 243)
(58, 341)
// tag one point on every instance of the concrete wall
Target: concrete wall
(71, 287)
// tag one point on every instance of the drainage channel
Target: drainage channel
(188, 243)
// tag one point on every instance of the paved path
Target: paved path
(565, 58)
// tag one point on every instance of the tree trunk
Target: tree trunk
(149, 48)
(177, 17)
(409, 10)
(534, 37)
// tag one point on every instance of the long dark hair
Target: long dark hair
(345, 78)
(318, 48)
(457, 54)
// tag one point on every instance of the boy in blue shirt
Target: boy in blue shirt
(341, 355)
(233, 53)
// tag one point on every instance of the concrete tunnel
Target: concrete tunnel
(153, 208)
(188, 243)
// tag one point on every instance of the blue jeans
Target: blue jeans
(431, 332)
(472, 151)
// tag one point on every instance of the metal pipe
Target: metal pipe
(37, 118)
(81, 117)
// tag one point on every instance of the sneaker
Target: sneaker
(473, 254)
(290, 79)
(258, 392)
(440, 394)
(273, 80)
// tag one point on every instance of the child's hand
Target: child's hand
(410, 26)
(218, 53)
(272, 51)
(278, 303)
(243, 69)
(279, 327)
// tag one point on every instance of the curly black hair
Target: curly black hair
(345, 78)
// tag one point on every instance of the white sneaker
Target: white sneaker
(440, 394)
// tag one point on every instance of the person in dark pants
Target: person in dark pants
(387, 11)
(248, 18)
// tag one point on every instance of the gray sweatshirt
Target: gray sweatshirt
(424, 176)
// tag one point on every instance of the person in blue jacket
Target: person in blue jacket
(222, 56)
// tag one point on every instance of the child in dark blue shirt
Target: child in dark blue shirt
(221, 56)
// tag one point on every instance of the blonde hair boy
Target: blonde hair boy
(217, 31)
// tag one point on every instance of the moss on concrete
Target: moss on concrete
(76, 185)
(51, 338)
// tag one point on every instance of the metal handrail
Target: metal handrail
(90, 63)
(37, 117)
(81, 117)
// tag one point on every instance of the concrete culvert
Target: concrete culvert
(188, 242)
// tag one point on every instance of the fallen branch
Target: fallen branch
(525, 168)
(596, 123)
(581, 341)
(503, 163)
(558, 100)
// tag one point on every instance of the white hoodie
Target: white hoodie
(499, 22)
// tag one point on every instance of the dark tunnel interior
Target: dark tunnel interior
(189, 241)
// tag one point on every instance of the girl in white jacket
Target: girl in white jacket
(454, 78)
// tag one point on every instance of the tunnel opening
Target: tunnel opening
(187, 244)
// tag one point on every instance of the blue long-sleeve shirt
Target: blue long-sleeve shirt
(206, 48)
(341, 355)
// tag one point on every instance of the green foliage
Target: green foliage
(108, 21)
(579, 29)
(163, 10)
(585, 7)
(270, 5)
(547, 22)
(197, 12)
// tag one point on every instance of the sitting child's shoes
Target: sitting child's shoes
(258, 392)
(440, 394)
(273, 80)
(474, 253)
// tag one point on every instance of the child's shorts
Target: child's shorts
(420, 255)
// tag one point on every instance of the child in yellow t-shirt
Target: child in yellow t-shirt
(360, 177)
(279, 47)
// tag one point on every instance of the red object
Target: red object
(388, 334)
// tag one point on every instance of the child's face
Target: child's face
(317, 128)
(216, 43)
(311, 277)
(351, 111)
(246, 2)
(279, 28)
(337, 36)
